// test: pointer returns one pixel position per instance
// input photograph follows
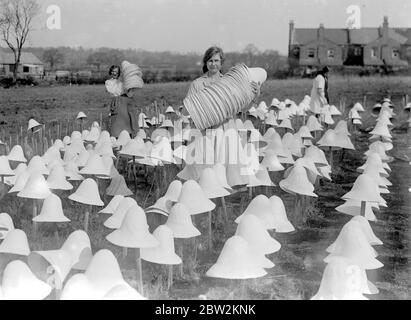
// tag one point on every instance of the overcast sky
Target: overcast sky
(194, 25)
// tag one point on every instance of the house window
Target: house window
(311, 53)
(395, 53)
(26, 69)
(357, 51)
(374, 52)
(330, 53)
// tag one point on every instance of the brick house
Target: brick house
(367, 47)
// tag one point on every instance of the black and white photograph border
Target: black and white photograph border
(218, 152)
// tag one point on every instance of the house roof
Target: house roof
(303, 36)
(7, 57)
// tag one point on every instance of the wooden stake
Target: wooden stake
(139, 273)
(210, 237)
(86, 217)
(223, 205)
(170, 276)
(34, 215)
(363, 204)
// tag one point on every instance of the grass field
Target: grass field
(298, 265)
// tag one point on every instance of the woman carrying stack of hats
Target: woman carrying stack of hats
(213, 60)
(122, 87)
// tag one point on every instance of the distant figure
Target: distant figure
(319, 91)
(123, 109)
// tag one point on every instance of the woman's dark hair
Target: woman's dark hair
(209, 54)
(110, 71)
(323, 71)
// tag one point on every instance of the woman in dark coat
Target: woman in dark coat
(123, 109)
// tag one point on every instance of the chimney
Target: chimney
(291, 34)
(385, 28)
(321, 33)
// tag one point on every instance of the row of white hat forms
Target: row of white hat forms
(351, 254)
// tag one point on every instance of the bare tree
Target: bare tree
(16, 18)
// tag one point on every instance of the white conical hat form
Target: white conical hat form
(33, 124)
(105, 149)
(344, 141)
(316, 155)
(81, 115)
(286, 123)
(134, 148)
(179, 221)
(283, 225)
(57, 179)
(66, 140)
(260, 206)
(16, 154)
(5, 169)
(19, 283)
(72, 172)
(334, 111)
(353, 245)
(193, 197)
(272, 163)
(342, 127)
(12, 179)
(123, 138)
(329, 139)
(221, 173)
(52, 154)
(167, 123)
(118, 186)
(269, 133)
(36, 188)
(381, 129)
(304, 132)
(174, 190)
(84, 134)
(21, 180)
(251, 229)
(297, 182)
(271, 120)
(162, 206)
(353, 208)
(37, 165)
(123, 292)
(87, 193)
(170, 109)
(75, 135)
(112, 205)
(374, 159)
(260, 178)
(164, 253)
(365, 188)
(366, 227)
(95, 166)
(210, 185)
(313, 124)
(51, 211)
(133, 232)
(15, 243)
(59, 144)
(78, 287)
(6, 224)
(341, 281)
(236, 261)
(79, 246)
(162, 150)
(93, 135)
(70, 154)
(374, 172)
(114, 222)
(60, 262)
(104, 273)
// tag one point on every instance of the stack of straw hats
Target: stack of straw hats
(225, 98)
(131, 74)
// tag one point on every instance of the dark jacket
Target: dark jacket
(123, 116)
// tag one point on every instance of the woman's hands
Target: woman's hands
(256, 90)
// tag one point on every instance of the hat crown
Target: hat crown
(36, 187)
(297, 181)
(5, 169)
(6, 224)
(19, 283)
(16, 154)
(87, 193)
(52, 210)
(236, 261)
(174, 190)
(194, 198)
(16, 243)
